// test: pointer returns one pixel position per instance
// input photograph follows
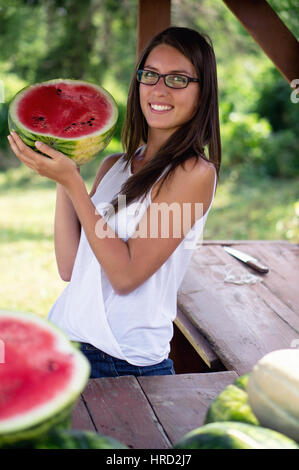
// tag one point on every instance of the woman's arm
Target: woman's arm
(67, 227)
(67, 230)
(126, 264)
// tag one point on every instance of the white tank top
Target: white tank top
(136, 327)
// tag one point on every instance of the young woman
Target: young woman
(125, 262)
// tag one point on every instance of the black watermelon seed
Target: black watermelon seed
(74, 124)
(41, 118)
(52, 365)
(92, 119)
(90, 124)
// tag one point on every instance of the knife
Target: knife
(247, 259)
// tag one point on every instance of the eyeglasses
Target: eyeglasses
(148, 77)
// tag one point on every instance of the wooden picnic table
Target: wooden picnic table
(238, 323)
(228, 317)
(148, 412)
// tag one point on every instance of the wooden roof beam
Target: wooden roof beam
(153, 17)
(272, 35)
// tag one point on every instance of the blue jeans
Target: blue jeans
(104, 365)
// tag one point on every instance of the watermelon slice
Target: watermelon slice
(75, 117)
(41, 376)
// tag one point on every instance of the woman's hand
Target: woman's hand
(58, 167)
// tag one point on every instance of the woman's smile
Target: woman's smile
(160, 107)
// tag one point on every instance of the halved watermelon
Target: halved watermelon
(41, 376)
(75, 117)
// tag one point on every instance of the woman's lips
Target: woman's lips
(160, 108)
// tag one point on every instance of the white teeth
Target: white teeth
(158, 107)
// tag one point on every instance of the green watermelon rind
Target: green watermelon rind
(232, 404)
(82, 149)
(29, 436)
(234, 435)
(57, 413)
(77, 439)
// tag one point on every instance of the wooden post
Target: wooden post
(153, 17)
(272, 35)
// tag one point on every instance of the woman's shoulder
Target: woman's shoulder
(191, 176)
(193, 172)
(198, 166)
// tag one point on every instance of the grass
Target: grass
(264, 209)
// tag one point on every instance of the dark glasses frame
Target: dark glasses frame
(159, 75)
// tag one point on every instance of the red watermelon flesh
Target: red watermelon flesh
(67, 111)
(41, 376)
(33, 372)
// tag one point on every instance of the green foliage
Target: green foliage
(274, 101)
(281, 154)
(95, 40)
(243, 137)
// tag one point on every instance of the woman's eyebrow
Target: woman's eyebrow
(172, 71)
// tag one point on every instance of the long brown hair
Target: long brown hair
(190, 140)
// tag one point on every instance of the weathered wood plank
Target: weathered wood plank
(283, 260)
(81, 418)
(279, 287)
(181, 401)
(197, 341)
(120, 409)
(241, 322)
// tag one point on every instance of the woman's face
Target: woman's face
(167, 108)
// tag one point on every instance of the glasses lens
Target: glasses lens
(176, 81)
(147, 77)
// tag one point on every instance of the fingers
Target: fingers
(27, 151)
(58, 167)
(31, 158)
(20, 149)
(47, 150)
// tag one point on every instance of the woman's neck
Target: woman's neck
(156, 138)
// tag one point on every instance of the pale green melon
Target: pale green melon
(273, 391)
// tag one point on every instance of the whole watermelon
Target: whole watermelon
(232, 404)
(75, 117)
(233, 435)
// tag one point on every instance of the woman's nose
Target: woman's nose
(160, 85)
